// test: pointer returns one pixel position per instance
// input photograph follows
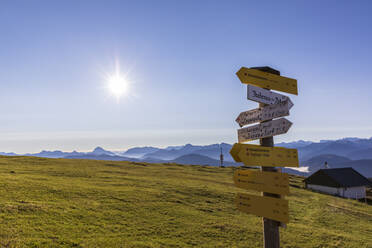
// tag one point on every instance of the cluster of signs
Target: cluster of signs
(275, 106)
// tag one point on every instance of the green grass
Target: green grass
(83, 203)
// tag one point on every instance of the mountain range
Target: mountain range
(347, 152)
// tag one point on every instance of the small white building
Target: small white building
(344, 182)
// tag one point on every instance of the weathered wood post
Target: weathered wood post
(271, 236)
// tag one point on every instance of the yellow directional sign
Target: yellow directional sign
(267, 80)
(270, 182)
(234, 152)
(268, 207)
(255, 155)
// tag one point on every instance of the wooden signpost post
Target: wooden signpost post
(273, 184)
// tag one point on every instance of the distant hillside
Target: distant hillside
(311, 154)
(169, 154)
(361, 154)
(212, 151)
(307, 149)
(295, 144)
(335, 148)
(139, 152)
(101, 157)
(363, 166)
(317, 162)
(338, 147)
(8, 154)
(334, 161)
(60, 154)
(191, 159)
(53, 154)
(195, 159)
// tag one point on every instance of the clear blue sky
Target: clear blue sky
(181, 57)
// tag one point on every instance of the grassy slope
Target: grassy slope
(82, 203)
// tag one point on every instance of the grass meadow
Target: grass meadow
(87, 203)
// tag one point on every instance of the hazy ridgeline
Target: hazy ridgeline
(347, 152)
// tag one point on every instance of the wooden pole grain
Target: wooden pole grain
(271, 236)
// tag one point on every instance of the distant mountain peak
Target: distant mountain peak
(100, 151)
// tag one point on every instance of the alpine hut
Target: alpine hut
(344, 182)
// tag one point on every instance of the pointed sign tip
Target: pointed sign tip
(290, 103)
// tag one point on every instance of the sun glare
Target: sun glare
(117, 83)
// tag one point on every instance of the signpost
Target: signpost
(260, 95)
(235, 151)
(273, 184)
(268, 207)
(267, 80)
(265, 113)
(263, 130)
(254, 155)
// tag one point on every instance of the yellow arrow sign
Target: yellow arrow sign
(234, 152)
(267, 80)
(268, 207)
(270, 182)
(255, 155)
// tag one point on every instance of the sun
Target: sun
(117, 83)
